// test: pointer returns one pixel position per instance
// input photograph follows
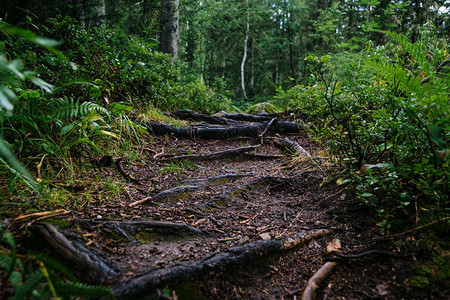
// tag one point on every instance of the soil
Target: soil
(266, 198)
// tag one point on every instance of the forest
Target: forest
(240, 149)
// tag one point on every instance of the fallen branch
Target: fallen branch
(316, 280)
(85, 261)
(149, 282)
(124, 172)
(261, 136)
(216, 155)
(41, 215)
(146, 199)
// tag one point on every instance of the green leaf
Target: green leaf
(67, 128)
(436, 133)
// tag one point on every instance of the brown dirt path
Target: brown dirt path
(255, 199)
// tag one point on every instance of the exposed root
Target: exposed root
(216, 155)
(93, 267)
(218, 262)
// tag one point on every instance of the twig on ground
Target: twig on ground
(318, 277)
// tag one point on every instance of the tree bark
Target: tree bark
(244, 58)
(169, 27)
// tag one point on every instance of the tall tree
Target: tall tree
(170, 27)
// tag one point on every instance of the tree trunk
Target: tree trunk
(169, 27)
(244, 58)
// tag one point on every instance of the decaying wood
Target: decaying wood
(124, 172)
(290, 146)
(316, 280)
(94, 268)
(221, 132)
(217, 262)
(215, 155)
(186, 114)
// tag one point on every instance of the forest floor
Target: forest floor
(176, 211)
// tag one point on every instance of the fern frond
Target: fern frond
(72, 108)
(417, 51)
(24, 290)
(53, 264)
(81, 290)
(396, 74)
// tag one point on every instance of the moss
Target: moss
(263, 107)
(420, 281)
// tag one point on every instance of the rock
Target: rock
(265, 236)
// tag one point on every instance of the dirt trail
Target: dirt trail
(195, 207)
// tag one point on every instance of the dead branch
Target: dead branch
(216, 155)
(316, 280)
(124, 172)
(41, 215)
(218, 262)
(85, 261)
(146, 199)
(261, 136)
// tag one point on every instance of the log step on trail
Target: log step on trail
(222, 132)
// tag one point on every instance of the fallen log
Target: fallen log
(222, 132)
(186, 114)
(176, 191)
(93, 267)
(147, 284)
(215, 155)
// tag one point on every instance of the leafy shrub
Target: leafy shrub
(386, 123)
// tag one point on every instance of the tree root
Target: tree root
(124, 228)
(290, 146)
(93, 267)
(191, 115)
(147, 284)
(216, 155)
(318, 277)
(220, 178)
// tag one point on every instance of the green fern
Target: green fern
(72, 108)
(25, 289)
(53, 264)
(81, 290)
(397, 75)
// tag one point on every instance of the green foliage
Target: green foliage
(37, 275)
(384, 124)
